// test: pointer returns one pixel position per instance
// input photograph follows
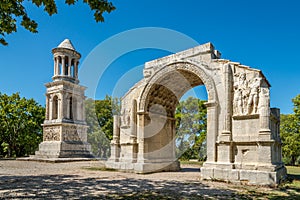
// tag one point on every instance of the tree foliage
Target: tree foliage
(20, 125)
(99, 117)
(296, 102)
(290, 134)
(13, 10)
(191, 129)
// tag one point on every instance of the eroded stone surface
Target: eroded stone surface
(243, 142)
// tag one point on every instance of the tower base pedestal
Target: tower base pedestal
(63, 149)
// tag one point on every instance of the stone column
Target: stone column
(212, 131)
(55, 66)
(68, 108)
(63, 65)
(116, 128)
(78, 109)
(83, 110)
(141, 136)
(47, 107)
(50, 107)
(265, 143)
(76, 62)
(61, 106)
(69, 66)
(224, 149)
(58, 65)
(228, 102)
(173, 128)
(133, 121)
(264, 98)
(115, 143)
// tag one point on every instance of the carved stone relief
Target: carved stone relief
(125, 116)
(72, 133)
(148, 72)
(51, 133)
(246, 94)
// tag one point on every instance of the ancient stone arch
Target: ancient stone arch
(243, 142)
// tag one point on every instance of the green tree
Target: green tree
(290, 134)
(105, 110)
(191, 128)
(13, 10)
(296, 102)
(99, 117)
(20, 125)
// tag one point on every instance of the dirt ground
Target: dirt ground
(85, 180)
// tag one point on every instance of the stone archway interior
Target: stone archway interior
(168, 91)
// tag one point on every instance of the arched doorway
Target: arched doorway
(241, 143)
(157, 107)
(55, 107)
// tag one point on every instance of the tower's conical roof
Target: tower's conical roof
(66, 44)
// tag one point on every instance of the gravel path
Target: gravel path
(80, 180)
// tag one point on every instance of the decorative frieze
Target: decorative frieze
(73, 133)
(51, 133)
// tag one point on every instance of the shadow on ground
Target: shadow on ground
(72, 186)
(190, 169)
(77, 187)
(294, 176)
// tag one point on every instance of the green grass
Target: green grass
(98, 169)
(293, 170)
(187, 162)
(293, 177)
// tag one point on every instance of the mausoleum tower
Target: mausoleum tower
(64, 128)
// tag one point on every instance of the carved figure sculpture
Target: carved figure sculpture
(241, 94)
(125, 120)
(253, 96)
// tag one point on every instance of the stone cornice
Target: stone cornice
(62, 82)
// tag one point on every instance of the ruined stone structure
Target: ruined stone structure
(243, 142)
(64, 129)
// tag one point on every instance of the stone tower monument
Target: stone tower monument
(64, 128)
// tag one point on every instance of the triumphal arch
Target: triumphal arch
(243, 141)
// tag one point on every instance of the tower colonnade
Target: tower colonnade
(66, 66)
(66, 61)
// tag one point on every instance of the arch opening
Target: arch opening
(55, 107)
(66, 67)
(72, 70)
(191, 125)
(168, 90)
(71, 108)
(160, 105)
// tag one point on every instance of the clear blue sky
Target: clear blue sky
(261, 34)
